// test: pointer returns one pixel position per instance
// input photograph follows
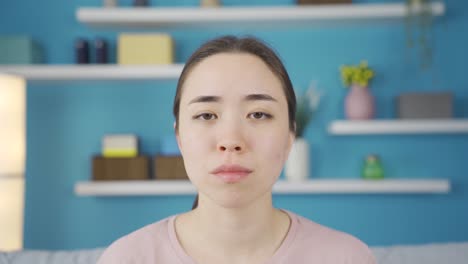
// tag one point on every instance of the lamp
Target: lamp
(12, 160)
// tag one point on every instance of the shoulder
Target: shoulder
(324, 243)
(141, 245)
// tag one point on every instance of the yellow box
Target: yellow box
(145, 49)
(119, 153)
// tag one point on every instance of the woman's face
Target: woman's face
(233, 112)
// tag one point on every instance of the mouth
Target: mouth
(231, 173)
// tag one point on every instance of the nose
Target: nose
(231, 138)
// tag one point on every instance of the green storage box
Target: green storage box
(19, 50)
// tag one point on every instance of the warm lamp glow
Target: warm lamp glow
(11, 213)
(12, 159)
(12, 125)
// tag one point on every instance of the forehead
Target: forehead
(231, 74)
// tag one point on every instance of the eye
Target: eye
(260, 115)
(205, 116)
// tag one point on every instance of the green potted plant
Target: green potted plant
(419, 18)
(359, 103)
(297, 165)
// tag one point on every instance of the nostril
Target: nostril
(237, 148)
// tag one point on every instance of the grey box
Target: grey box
(18, 49)
(425, 105)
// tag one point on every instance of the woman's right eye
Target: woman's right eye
(205, 116)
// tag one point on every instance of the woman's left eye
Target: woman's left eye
(260, 115)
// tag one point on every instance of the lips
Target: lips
(231, 173)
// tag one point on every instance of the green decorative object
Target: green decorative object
(373, 169)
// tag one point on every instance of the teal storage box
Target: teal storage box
(19, 50)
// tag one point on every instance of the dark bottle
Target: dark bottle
(140, 2)
(101, 47)
(81, 51)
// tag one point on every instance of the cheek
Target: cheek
(273, 148)
(193, 147)
(191, 139)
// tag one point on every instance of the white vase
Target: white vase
(297, 165)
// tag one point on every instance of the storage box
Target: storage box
(169, 168)
(19, 50)
(136, 168)
(145, 49)
(319, 2)
(425, 105)
(123, 146)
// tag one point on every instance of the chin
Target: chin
(232, 200)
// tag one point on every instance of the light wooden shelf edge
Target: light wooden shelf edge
(402, 126)
(319, 186)
(189, 15)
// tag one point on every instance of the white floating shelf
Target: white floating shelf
(406, 126)
(319, 186)
(59, 72)
(193, 16)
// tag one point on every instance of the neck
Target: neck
(242, 233)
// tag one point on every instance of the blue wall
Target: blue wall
(65, 124)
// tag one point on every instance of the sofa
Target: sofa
(436, 253)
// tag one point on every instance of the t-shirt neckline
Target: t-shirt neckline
(279, 253)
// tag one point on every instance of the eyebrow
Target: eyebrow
(250, 97)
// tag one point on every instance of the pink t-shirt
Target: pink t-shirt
(306, 242)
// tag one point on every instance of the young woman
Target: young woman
(235, 111)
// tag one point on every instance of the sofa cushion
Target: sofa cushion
(51, 257)
(441, 253)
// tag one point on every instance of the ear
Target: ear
(292, 138)
(177, 136)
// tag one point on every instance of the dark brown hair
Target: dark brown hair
(232, 44)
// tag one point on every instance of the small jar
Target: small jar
(81, 51)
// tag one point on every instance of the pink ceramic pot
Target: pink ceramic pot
(359, 103)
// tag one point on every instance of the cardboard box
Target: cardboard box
(136, 168)
(169, 168)
(425, 105)
(145, 49)
(19, 50)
